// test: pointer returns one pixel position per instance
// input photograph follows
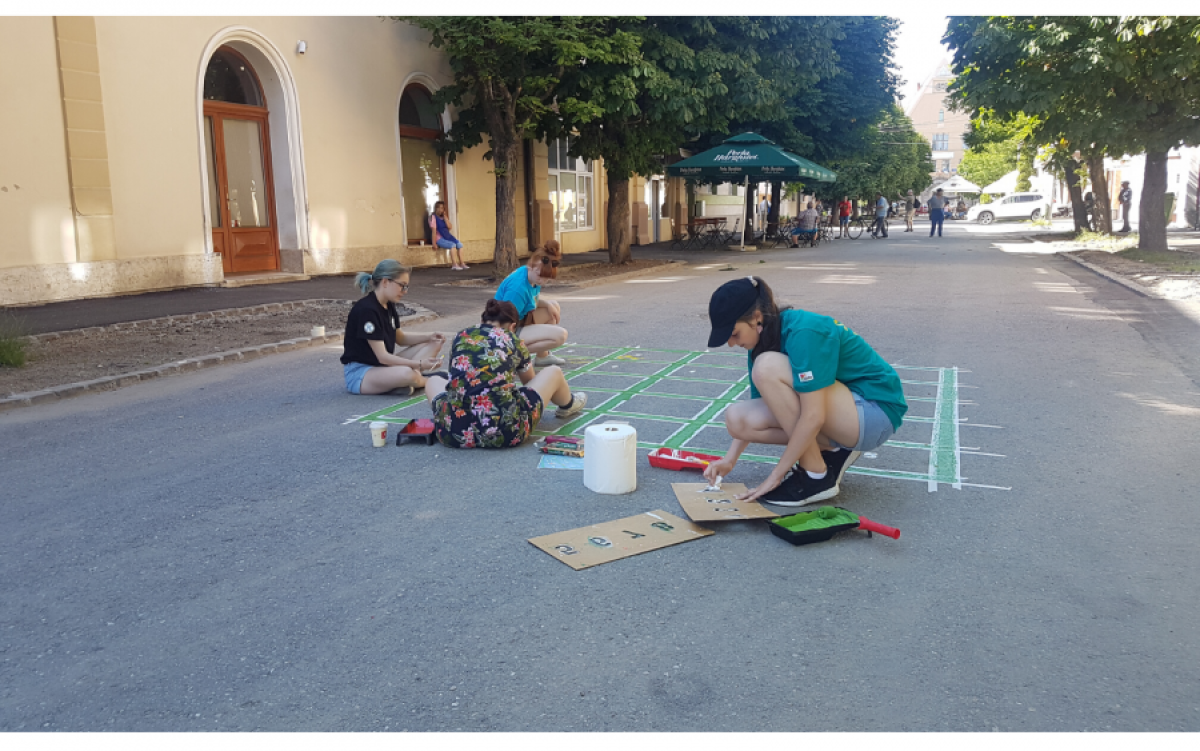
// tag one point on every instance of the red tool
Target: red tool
(666, 458)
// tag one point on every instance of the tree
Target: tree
(693, 74)
(1125, 85)
(508, 74)
(988, 163)
(894, 159)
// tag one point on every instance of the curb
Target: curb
(275, 307)
(1142, 290)
(121, 380)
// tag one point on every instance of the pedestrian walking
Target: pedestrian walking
(845, 208)
(881, 212)
(937, 213)
(764, 208)
(1126, 199)
(910, 210)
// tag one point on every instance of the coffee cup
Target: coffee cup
(379, 434)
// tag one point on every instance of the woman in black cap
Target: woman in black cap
(816, 387)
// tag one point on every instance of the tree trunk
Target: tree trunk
(619, 230)
(1152, 215)
(1100, 193)
(1072, 180)
(504, 159)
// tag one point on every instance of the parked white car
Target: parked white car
(1012, 206)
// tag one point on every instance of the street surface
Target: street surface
(219, 551)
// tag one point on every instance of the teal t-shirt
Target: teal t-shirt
(517, 290)
(822, 350)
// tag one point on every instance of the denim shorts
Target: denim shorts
(448, 244)
(355, 372)
(874, 427)
(845, 219)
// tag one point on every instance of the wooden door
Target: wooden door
(241, 192)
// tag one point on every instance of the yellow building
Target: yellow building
(155, 153)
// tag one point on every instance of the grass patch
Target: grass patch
(1175, 261)
(1111, 243)
(12, 343)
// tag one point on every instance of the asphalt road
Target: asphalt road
(217, 551)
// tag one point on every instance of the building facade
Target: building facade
(942, 127)
(156, 153)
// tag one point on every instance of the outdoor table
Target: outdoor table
(703, 229)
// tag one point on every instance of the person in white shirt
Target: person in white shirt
(764, 208)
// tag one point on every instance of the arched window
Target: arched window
(422, 171)
(229, 78)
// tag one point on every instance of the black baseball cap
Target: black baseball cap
(730, 302)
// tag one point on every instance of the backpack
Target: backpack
(429, 229)
(916, 203)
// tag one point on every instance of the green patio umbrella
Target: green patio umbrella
(748, 156)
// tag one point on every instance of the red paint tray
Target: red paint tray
(665, 458)
(416, 431)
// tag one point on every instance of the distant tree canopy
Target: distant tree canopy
(892, 159)
(1126, 84)
(633, 90)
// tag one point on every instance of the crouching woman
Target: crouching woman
(491, 397)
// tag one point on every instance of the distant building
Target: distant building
(942, 127)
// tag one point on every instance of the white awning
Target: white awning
(1006, 184)
(958, 184)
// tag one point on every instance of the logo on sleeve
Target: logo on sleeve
(370, 329)
(805, 377)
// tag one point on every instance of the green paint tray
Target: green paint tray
(822, 524)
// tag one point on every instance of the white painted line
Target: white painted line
(989, 487)
(957, 455)
(983, 453)
(979, 425)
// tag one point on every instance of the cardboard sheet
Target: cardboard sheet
(610, 541)
(718, 507)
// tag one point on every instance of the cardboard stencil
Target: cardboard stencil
(718, 506)
(610, 541)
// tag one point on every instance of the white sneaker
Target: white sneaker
(578, 402)
(549, 359)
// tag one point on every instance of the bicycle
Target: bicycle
(857, 224)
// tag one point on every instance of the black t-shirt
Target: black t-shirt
(369, 320)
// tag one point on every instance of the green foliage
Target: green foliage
(1025, 168)
(12, 342)
(987, 163)
(1127, 84)
(894, 159)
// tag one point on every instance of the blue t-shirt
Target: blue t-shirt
(517, 290)
(443, 230)
(822, 350)
(881, 207)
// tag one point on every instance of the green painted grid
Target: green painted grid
(943, 466)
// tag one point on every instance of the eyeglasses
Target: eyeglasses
(547, 262)
(402, 285)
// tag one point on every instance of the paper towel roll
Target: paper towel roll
(610, 458)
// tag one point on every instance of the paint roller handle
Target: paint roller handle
(883, 529)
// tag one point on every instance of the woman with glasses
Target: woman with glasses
(377, 357)
(539, 328)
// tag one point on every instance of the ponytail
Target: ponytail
(387, 269)
(770, 340)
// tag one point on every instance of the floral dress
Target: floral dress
(485, 405)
